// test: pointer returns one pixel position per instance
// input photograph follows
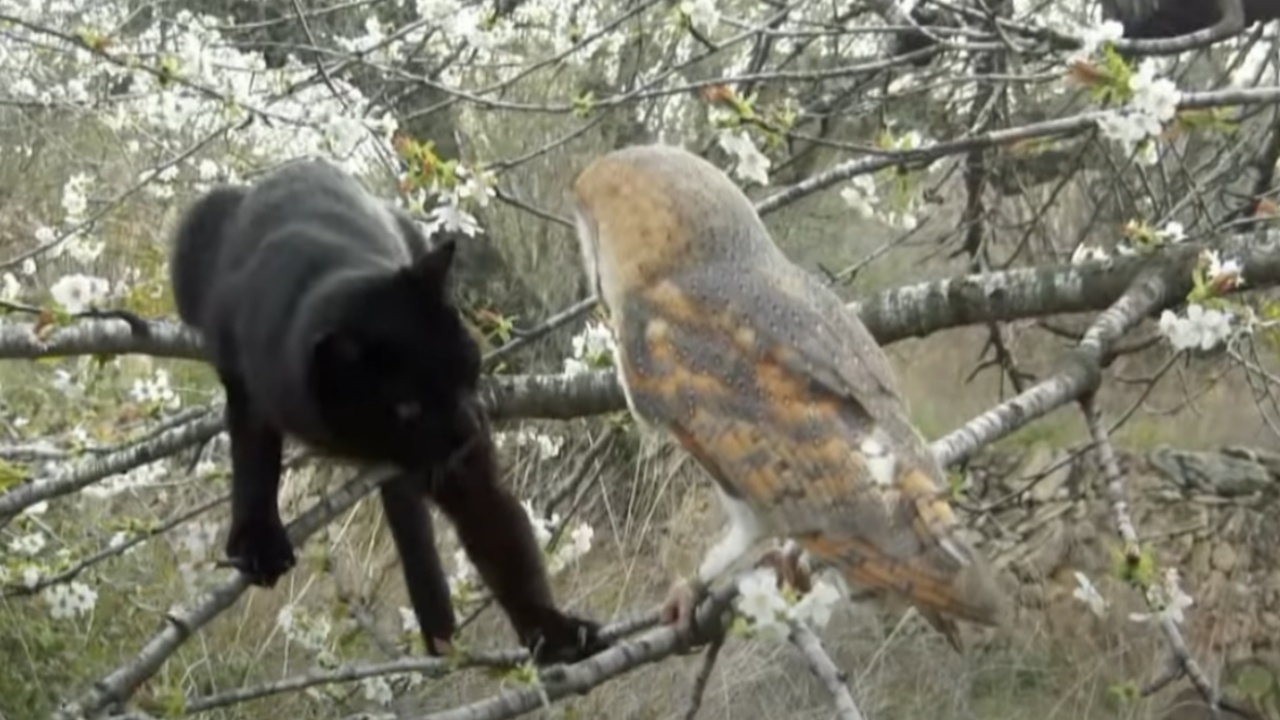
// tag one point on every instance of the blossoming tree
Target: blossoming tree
(461, 112)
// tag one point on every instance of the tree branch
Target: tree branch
(114, 689)
(1082, 122)
(908, 311)
(651, 646)
(1081, 375)
(1230, 24)
(827, 671)
(1153, 288)
(700, 680)
(71, 478)
(1183, 663)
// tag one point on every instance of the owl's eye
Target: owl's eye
(408, 410)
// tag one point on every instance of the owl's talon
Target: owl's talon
(789, 565)
(680, 605)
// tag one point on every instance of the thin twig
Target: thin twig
(700, 680)
(1118, 495)
(827, 671)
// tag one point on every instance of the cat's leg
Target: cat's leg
(257, 544)
(409, 519)
(498, 537)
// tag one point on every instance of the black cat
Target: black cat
(326, 315)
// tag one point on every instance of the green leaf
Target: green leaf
(525, 674)
(1141, 573)
(168, 70)
(1255, 682)
(584, 104)
(11, 474)
(1122, 694)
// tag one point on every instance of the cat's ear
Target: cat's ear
(432, 269)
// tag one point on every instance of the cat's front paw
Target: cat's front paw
(439, 647)
(260, 549)
(561, 638)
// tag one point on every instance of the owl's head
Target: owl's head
(645, 212)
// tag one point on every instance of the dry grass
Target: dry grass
(1051, 667)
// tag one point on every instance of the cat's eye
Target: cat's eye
(408, 410)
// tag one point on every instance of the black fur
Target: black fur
(327, 318)
(1141, 20)
(914, 40)
(1172, 18)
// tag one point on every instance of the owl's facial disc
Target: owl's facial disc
(588, 243)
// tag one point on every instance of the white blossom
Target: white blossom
(574, 366)
(74, 199)
(1202, 328)
(451, 218)
(29, 544)
(1088, 594)
(1148, 153)
(1127, 129)
(69, 600)
(81, 248)
(541, 525)
(580, 539)
(595, 343)
(44, 235)
(770, 612)
(1153, 96)
(751, 163)
(1093, 36)
(377, 689)
(307, 629)
(208, 170)
(702, 14)
(861, 195)
(1173, 232)
(155, 391)
(408, 621)
(1167, 599)
(10, 288)
(758, 597)
(1088, 253)
(463, 570)
(910, 140)
(438, 10)
(905, 220)
(549, 446)
(77, 292)
(478, 188)
(1226, 272)
(1154, 102)
(814, 609)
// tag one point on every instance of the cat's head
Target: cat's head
(394, 370)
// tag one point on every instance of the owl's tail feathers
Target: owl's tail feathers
(942, 589)
(946, 626)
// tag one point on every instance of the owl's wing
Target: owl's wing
(786, 400)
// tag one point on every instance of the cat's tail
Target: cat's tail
(196, 243)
